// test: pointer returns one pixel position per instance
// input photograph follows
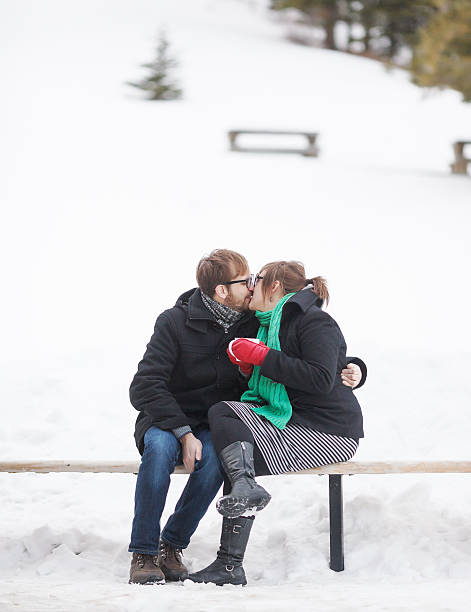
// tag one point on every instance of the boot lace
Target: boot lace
(165, 551)
(141, 559)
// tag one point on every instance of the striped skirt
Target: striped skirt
(296, 447)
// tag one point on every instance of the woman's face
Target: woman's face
(259, 301)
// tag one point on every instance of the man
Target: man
(184, 371)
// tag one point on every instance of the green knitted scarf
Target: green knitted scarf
(276, 406)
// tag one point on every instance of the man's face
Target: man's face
(239, 295)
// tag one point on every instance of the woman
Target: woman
(296, 413)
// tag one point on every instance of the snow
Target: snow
(108, 205)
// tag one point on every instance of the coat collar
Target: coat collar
(197, 311)
(198, 317)
(305, 298)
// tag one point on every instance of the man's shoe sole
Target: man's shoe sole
(174, 576)
(150, 580)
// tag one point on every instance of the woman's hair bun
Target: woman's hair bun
(319, 287)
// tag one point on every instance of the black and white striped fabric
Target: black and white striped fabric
(296, 447)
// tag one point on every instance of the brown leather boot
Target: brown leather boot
(145, 570)
(170, 562)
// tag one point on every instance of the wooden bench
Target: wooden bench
(334, 471)
(460, 165)
(310, 151)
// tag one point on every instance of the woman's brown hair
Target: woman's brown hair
(292, 277)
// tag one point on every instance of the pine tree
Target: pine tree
(159, 84)
(402, 22)
(442, 57)
(323, 13)
(365, 14)
(390, 25)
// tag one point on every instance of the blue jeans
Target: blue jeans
(162, 452)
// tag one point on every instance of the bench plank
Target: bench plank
(274, 132)
(310, 151)
(348, 467)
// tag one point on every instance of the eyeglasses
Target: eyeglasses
(246, 281)
(250, 282)
(254, 279)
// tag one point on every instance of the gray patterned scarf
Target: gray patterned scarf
(224, 315)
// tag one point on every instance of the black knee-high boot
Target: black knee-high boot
(227, 568)
(246, 495)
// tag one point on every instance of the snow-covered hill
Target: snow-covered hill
(109, 202)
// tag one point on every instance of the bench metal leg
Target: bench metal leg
(336, 522)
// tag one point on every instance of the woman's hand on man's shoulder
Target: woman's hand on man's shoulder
(351, 375)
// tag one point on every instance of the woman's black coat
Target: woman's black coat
(312, 356)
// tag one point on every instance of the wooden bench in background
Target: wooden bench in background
(334, 471)
(460, 165)
(310, 151)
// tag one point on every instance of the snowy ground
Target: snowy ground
(108, 205)
(407, 547)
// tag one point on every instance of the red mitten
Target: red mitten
(248, 350)
(245, 368)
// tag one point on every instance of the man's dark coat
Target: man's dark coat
(185, 369)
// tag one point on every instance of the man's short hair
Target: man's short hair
(219, 267)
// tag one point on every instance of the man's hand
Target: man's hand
(351, 375)
(248, 350)
(245, 368)
(191, 450)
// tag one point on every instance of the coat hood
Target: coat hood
(185, 297)
(306, 298)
